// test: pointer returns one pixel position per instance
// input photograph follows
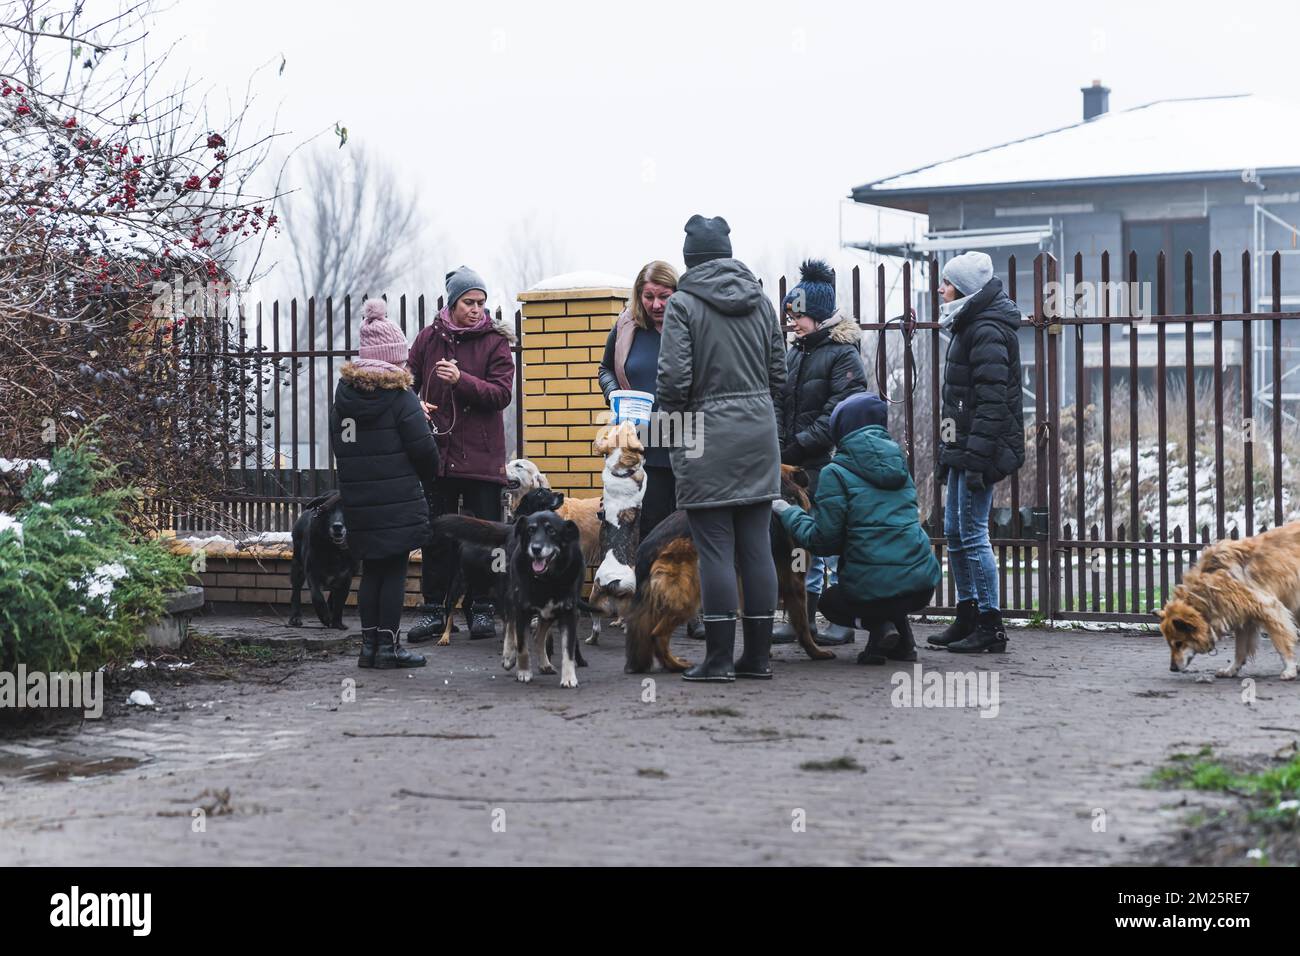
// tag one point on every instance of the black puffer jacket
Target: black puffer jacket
(821, 370)
(391, 452)
(982, 388)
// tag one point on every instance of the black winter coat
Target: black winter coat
(384, 466)
(982, 394)
(821, 370)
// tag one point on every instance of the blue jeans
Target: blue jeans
(817, 572)
(970, 556)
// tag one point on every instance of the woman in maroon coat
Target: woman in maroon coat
(464, 373)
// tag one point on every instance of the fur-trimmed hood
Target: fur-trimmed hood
(370, 380)
(838, 329)
(846, 331)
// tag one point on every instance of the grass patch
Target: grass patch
(1202, 772)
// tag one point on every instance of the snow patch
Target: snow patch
(585, 279)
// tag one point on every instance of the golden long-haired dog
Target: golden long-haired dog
(668, 585)
(1238, 588)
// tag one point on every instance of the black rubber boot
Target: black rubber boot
(963, 627)
(881, 639)
(431, 625)
(481, 623)
(367, 657)
(719, 648)
(783, 633)
(905, 649)
(835, 634)
(389, 652)
(756, 657)
(989, 636)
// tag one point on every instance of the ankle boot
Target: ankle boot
(834, 634)
(432, 624)
(905, 649)
(881, 639)
(367, 657)
(959, 629)
(719, 648)
(389, 653)
(482, 624)
(989, 636)
(755, 659)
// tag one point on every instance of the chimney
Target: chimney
(1096, 100)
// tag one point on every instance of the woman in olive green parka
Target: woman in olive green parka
(866, 512)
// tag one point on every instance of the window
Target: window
(1175, 238)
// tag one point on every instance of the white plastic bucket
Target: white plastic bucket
(630, 405)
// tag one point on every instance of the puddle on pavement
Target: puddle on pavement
(51, 768)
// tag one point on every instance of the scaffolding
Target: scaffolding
(1262, 352)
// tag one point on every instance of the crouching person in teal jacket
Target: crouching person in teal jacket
(866, 512)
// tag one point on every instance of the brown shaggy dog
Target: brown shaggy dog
(668, 585)
(1238, 588)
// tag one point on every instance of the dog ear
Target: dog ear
(571, 531)
(1184, 625)
(521, 527)
(799, 477)
(1158, 614)
(557, 499)
(318, 501)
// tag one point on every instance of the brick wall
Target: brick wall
(564, 336)
(261, 576)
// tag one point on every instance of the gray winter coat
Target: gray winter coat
(722, 360)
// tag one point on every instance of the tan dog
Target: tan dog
(584, 512)
(1238, 588)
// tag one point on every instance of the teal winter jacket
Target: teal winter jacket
(866, 512)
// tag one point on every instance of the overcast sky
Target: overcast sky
(610, 124)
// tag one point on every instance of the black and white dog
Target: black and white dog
(321, 558)
(543, 579)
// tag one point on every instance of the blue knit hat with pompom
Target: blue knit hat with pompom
(814, 296)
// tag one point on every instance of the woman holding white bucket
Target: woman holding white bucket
(631, 363)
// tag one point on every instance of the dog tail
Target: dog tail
(472, 530)
(639, 643)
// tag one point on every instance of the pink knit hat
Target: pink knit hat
(382, 343)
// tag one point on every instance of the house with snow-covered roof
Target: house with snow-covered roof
(1197, 174)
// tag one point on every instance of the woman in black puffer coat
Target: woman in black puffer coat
(385, 456)
(822, 368)
(984, 440)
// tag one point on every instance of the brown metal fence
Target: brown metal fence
(1101, 521)
(304, 345)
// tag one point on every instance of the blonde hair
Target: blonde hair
(658, 272)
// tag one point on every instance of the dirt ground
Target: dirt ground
(273, 747)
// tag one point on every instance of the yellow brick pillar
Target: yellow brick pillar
(565, 323)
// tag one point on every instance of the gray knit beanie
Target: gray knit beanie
(462, 280)
(969, 272)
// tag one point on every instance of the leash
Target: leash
(424, 397)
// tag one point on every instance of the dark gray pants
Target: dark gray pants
(732, 539)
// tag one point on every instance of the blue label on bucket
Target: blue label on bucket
(630, 405)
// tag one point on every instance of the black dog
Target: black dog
(480, 558)
(322, 559)
(543, 579)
